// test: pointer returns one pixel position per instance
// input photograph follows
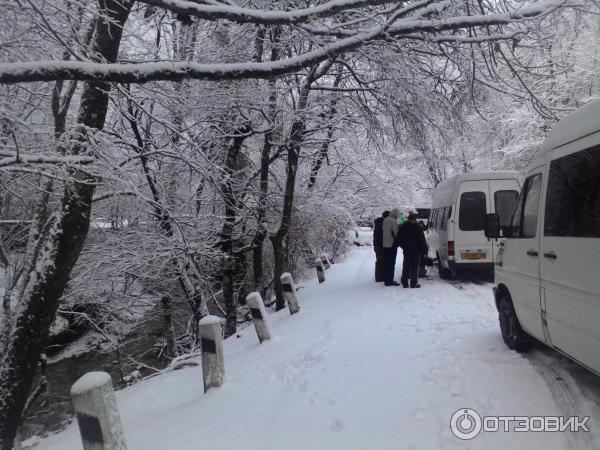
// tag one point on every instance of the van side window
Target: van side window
(573, 199)
(472, 210)
(505, 202)
(441, 219)
(447, 212)
(524, 223)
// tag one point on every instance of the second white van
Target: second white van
(456, 224)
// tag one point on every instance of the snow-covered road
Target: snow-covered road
(362, 366)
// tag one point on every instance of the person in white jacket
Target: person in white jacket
(390, 233)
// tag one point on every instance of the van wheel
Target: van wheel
(512, 333)
(445, 274)
(455, 273)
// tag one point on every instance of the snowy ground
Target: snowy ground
(362, 366)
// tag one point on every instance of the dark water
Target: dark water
(52, 411)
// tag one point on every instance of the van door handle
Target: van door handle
(532, 253)
(551, 255)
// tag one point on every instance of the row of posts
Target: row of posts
(93, 395)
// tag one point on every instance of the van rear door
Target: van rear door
(503, 198)
(570, 250)
(470, 243)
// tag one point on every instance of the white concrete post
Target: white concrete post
(96, 410)
(325, 260)
(320, 270)
(211, 340)
(259, 316)
(289, 292)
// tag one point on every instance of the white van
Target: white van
(548, 268)
(456, 225)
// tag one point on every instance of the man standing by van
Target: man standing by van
(415, 247)
(390, 232)
(378, 246)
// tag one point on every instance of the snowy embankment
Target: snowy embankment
(362, 366)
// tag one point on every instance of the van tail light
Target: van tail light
(450, 248)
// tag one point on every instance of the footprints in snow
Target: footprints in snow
(337, 426)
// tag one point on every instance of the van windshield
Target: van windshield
(471, 215)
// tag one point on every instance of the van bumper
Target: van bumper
(475, 266)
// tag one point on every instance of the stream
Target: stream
(52, 411)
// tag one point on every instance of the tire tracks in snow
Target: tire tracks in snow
(565, 400)
(566, 389)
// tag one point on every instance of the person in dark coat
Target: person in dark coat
(422, 268)
(415, 247)
(378, 246)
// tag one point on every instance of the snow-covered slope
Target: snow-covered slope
(362, 366)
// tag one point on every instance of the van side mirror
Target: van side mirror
(492, 226)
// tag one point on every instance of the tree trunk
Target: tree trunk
(169, 330)
(61, 242)
(278, 269)
(278, 239)
(199, 191)
(261, 233)
(324, 150)
(229, 256)
(296, 137)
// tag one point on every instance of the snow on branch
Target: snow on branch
(175, 71)
(107, 195)
(264, 17)
(418, 23)
(456, 23)
(34, 159)
(468, 39)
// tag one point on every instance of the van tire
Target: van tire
(455, 273)
(445, 274)
(512, 333)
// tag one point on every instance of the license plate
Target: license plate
(476, 255)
